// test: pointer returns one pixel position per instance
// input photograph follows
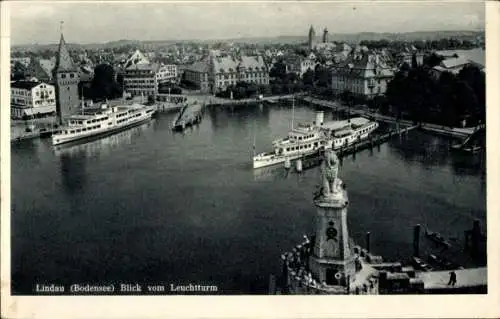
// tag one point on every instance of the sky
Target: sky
(96, 22)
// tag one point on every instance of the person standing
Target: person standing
(453, 278)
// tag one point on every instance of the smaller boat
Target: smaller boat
(437, 238)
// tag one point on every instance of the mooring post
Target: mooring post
(476, 232)
(368, 241)
(416, 240)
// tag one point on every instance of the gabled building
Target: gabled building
(140, 79)
(229, 70)
(198, 74)
(32, 99)
(453, 65)
(364, 75)
(299, 64)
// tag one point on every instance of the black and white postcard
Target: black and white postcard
(249, 159)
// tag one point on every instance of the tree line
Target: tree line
(442, 44)
(442, 98)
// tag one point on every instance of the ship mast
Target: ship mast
(254, 137)
(82, 100)
(293, 109)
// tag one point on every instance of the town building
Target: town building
(229, 70)
(453, 65)
(455, 61)
(365, 75)
(42, 69)
(198, 74)
(136, 58)
(341, 52)
(167, 73)
(325, 35)
(66, 77)
(215, 73)
(140, 79)
(32, 99)
(299, 64)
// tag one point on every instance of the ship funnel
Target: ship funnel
(320, 116)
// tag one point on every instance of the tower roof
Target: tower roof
(311, 30)
(64, 62)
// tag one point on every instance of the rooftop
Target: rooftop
(232, 64)
(336, 125)
(63, 59)
(199, 66)
(454, 62)
(26, 85)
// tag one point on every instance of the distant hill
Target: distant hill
(340, 37)
(370, 36)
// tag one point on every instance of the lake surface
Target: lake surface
(152, 206)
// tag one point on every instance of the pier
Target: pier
(189, 114)
(210, 100)
(314, 159)
(373, 141)
(473, 280)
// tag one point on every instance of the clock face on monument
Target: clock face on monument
(331, 232)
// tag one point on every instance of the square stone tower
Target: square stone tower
(66, 79)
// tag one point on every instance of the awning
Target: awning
(39, 110)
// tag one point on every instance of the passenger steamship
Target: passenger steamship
(308, 139)
(102, 121)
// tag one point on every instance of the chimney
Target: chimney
(320, 116)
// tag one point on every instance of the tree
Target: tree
(414, 63)
(308, 77)
(18, 72)
(432, 60)
(104, 85)
(278, 70)
(322, 76)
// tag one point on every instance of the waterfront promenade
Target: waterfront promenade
(18, 128)
(208, 99)
(362, 111)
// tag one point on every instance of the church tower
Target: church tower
(66, 79)
(332, 260)
(312, 36)
(325, 35)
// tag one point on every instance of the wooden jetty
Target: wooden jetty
(373, 141)
(189, 114)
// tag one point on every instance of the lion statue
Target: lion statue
(329, 170)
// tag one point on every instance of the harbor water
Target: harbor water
(150, 205)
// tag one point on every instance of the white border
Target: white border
(264, 306)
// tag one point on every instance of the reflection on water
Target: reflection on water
(98, 146)
(73, 172)
(148, 204)
(271, 173)
(222, 117)
(429, 150)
